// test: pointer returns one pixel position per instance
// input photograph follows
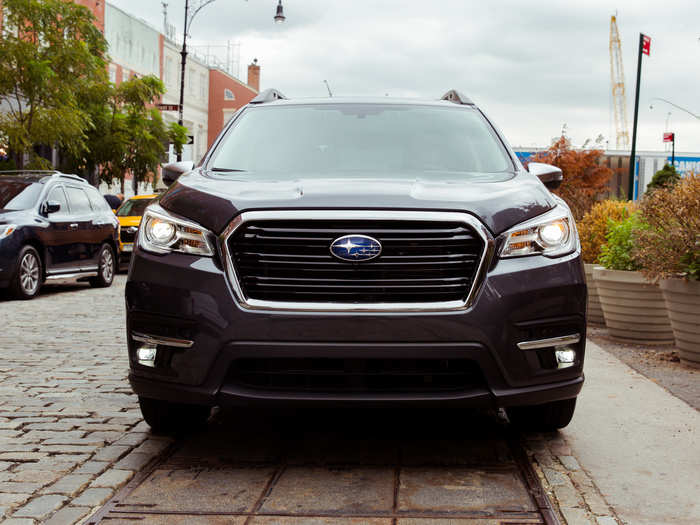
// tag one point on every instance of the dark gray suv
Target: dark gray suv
(357, 251)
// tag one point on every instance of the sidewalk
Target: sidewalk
(638, 443)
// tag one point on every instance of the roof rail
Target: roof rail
(269, 95)
(7, 172)
(68, 176)
(458, 98)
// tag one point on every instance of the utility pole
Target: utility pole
(183, 53)
(644, 48)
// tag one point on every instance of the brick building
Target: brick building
(227, 95)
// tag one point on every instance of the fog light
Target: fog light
(146, 356)
(565, 357)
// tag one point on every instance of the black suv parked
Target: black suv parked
(54, 227)
(350, 251)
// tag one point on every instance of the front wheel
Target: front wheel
(166, 416)
(106, 269)
(549, 416)
(27, 280)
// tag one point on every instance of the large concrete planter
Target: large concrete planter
(634, 310)
(595, 312)
(683, 304)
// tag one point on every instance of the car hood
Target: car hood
(11, 216)
(129, 220)
(213, 200)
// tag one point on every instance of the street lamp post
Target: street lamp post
(279, 18)
(675, 106)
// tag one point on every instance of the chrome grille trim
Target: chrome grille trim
(310, 215)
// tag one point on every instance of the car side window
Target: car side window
(58, 195)
(98, 201)
(79, 202)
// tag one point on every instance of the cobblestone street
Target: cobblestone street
(71, 437)
(70, 429)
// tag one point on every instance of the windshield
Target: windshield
(19, 194)
(133, 207)
(373, 138)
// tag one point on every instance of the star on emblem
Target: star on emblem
(348, 245)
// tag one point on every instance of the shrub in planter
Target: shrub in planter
(669, 250)
(664, 178)
(634, 309)
(592, 231)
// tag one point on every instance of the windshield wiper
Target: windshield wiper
(225, 169)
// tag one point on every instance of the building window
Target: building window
(113, 73)
(202, 87)
(125, 75)
(228, 94)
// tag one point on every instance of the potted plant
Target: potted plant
(634, 309)
(669, 250)
(592, 231)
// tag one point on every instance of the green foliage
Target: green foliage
(128, 134)
(618, 252)
(7, 165)
(666, 176)
(50, 54)
(690, 263)
(594, 226)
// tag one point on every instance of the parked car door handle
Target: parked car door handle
(74, 225)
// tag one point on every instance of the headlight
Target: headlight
(6, 230)
(552, 234)
(160, 232)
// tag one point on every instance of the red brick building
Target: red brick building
(227, 95)
(98, 9)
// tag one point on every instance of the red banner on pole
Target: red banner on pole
(646, 45)
(669, 137)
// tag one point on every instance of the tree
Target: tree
(128, 134)
(585, 177)
(147, 134)
(50, 53)
(666, 176)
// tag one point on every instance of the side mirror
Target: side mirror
(171, 172)
(551, 176)
(51, 207)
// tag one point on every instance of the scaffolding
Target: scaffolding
(617, 79)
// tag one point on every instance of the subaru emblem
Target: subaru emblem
(356, 248)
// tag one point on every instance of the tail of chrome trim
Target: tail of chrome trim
(552, 341)
(160, 340)
(256, 304)
(65, 278)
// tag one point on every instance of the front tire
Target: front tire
(106, 269)
(546, 417)
(27, 280)
(167, 417)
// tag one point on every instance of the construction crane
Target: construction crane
(617, 79)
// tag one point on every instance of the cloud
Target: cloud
(531, 65)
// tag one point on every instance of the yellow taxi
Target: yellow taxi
(129, 215)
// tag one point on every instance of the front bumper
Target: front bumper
(9, 249)
(191, 298)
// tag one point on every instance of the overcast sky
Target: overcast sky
(531, 65)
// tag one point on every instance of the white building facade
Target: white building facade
(196, 98)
